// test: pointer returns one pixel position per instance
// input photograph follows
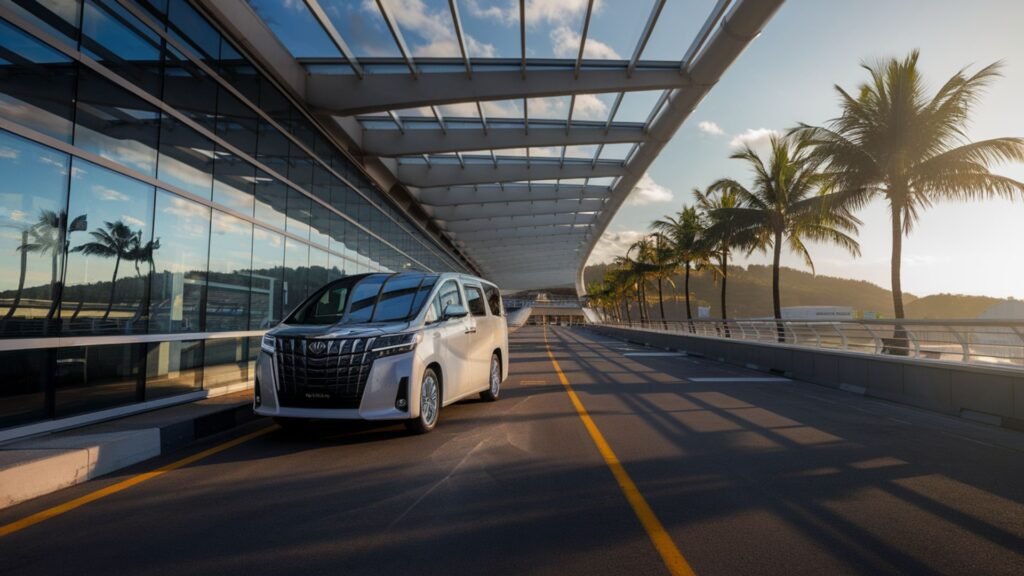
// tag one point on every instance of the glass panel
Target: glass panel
(364, 297)
(267, 278)
(228, 361)
(271, 200)
(115, 124)
(236, 69)
(186, 24)
(24, 375)
(189, 90)
(337, 267)
(58, 17)
(33, 196)
(237, 123)
(174, 368)
(183, 230)
(90, 378)
(233, 180)
(397, 298)
(122, 43)
(296, 273)
(37, 84)
(227, 306)
(318, 263)
(299, 213)
(186, 158)
(111, 251)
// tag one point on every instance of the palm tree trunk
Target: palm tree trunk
(899, 346)
(21, 277)
(113, 287)
(661, 302)
(686, 288)
(725, 283)
(776, 299)
(625, 304)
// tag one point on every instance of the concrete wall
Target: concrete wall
(985, 393)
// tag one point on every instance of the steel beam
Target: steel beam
(434, 141)
(487, 194)
(515, 222)
(514, 234)
(498, 209)
(450, 175)
(348, 95)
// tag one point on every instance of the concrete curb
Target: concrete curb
(34, 467)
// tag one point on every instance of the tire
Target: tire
(494, 379)
(430, 404)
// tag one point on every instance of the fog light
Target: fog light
(401, 404)
(402, 396)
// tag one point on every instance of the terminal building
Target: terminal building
(175, 176)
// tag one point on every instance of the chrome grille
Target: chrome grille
(321, 372)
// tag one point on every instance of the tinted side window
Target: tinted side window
(475, 301)
(493, 300)
(448, 294)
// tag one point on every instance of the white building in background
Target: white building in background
(817, 313)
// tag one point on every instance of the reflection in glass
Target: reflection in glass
(227, 305)
(33, 189)
(114, 124)
(186, 158)
(228, 361)
(299, 214)
(233, 180)
(174, 368)
(37, 84)
(57, 17)
(90, 378)
(25, 375)
(271, 200)
(180, 265)
(318, 265)
(296, 273)
(110, 252)
(118, 40)
(267, 279)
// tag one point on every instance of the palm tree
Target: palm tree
(788, 203)
(664, 264)
(643, 267)
(684, 230)
(50, 235)
(894, 141)
(115, 240)
(722, 235)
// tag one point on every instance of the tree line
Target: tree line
(892, 141)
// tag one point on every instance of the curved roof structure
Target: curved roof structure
(523, 197)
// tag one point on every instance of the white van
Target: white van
(385, 347)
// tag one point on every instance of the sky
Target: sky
(786, 76)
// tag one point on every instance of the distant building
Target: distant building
(1005, 310)
(817, 313)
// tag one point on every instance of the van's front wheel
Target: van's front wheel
(430, 404)
(492, 393)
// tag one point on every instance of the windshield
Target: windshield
(369, 298)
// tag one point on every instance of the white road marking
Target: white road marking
(653, 354)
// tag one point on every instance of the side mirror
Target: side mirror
(454, 311)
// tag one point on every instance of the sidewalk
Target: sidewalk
(44, 464)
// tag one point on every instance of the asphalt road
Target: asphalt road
(746, 475)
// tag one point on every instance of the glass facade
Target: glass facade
(160, 186)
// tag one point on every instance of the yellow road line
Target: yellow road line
(670, 554)
(126, 483)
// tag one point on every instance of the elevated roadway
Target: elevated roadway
(642, 460)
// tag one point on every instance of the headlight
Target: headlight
(395, 344)
(268, 343)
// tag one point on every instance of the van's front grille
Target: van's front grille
(322, 373)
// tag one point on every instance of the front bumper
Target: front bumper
(377, 403)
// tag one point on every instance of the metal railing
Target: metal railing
(994, 342)
(511, 303)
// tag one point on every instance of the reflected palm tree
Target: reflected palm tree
(49, 235)
(115, 240)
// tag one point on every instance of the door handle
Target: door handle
(471, 331)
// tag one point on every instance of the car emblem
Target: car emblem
(317, 347)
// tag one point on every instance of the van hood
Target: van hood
(339, 330)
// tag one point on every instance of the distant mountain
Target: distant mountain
(950, 306)
(750, 292)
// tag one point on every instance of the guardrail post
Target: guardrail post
(842, 336)
(964, 347)
(914, 340)
(875, 337)
(817, 337)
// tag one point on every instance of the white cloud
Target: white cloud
(753, 137)
(708, 127)
(109, 194)
(9, 153)
(590, 107)
(434, 27)
(550, 11)
(613, 244)
(647, 191)
(132, 221)
(565, 41)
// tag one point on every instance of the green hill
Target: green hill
(750, 292)
(950, 306)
